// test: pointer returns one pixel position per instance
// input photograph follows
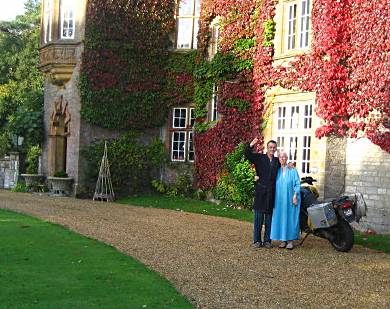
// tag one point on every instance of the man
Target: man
(266, 166)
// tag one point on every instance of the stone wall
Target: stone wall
(334, 180)
(9, 171)
(368, 172)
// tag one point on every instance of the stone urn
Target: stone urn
(33, 181)
(60, 186)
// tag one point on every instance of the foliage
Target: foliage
(27, 123)
(20, 187)
(33, 154)
(95, 274)
(60, 174)
(182, 187)
(236, 184)
(21, 83)
(132, 164)
(123, 76)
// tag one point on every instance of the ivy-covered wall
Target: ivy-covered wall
(129, 79)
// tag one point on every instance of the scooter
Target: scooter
(330, 220)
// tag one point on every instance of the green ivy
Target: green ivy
(235, 186)
(240, 104)
(132, 163)
(269, 32)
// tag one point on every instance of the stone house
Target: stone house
(338, 164)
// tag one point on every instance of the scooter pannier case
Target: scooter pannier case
(322, 215)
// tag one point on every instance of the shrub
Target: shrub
(33, 154)
(20, 187)
(235, 185)
(183, 187)
(132, 164)
(61, 174)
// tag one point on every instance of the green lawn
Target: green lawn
(189, 205)
(377, 242)
(46, 266)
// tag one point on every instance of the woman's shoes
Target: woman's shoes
(288, 245)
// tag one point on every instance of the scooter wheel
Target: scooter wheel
(343, 236)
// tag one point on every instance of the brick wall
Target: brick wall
(368, 172)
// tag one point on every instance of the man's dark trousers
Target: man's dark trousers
(259, 219)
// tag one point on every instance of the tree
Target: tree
(21, 83)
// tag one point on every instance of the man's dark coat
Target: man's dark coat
(265, 186)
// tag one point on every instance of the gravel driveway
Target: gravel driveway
(209, 259)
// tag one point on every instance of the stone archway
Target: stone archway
(59, 132)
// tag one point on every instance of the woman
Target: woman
(285, 218)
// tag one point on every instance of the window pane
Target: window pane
(178, 146)
(192, 117)
(184, 33)
(196, 29)
(305, 21)
(292, 16)
(179, 117)
(186, 7)
(197, 7)
(214, 104)
(191, 152)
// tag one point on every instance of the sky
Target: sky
(10, 8)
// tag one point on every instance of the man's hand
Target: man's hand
(254, 142)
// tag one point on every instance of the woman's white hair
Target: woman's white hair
(282, 153)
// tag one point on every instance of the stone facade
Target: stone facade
(368, 172)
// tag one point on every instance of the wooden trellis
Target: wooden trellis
(104, 190)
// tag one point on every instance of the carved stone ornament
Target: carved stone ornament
(60, 118)
(57, 62)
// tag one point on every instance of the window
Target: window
(187, 21)
(182, 147)
(47, 20)
(67, 19)
(298, 16)
(214, 104)
(294, 134)
(214, 40)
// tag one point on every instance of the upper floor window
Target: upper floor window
(182, 146)
(67, 10)
(187, 24)
(47, 20)
(294, 133)
(298, 16)
(214, 40)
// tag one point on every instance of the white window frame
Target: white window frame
(214, 104)
(67, 7)
(297, 24)
(190, 145)
(193, 18)
(180, 117)
(189, 113)
(173, 150)
(293, 137)
(47, 20)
